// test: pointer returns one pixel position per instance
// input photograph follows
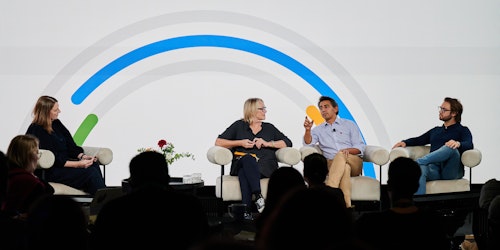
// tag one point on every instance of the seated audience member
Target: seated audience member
(494, 224)
(308, 218)
(315, 173)
(11, 228)
(57, 222)
(4, 172)
(315, 170)
(282, 181)
(489, 191)
(152, 214)
(486, 235)
(23, 186)
(404, 225)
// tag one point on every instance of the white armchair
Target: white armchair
(363, 188)
(470, 158)
(227, 187)
(47, 158)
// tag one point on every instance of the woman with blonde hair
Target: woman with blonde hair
(254, 144)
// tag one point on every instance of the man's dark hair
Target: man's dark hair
(404, 174)
(456, 107)
(149, 168)
(315, 168)
(331, 100)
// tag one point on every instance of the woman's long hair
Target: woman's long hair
(23, 151)
(41, 112)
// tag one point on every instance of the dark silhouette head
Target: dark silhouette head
(57, 222)
(148, 168)
(308, 218)
(315, 169)
(282, 180)
(403, 176)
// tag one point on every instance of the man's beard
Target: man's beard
(446, 118)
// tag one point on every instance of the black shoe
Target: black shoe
(248, 216)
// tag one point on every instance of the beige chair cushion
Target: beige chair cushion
(364, 188)
(61, 189)
(231, 189)
(231, 186)
(447, 186)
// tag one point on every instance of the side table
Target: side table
(175, 182)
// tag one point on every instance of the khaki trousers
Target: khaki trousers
(340, 170)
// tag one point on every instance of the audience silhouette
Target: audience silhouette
(23, 186)
(315, 173)
(12, 229)
(282, 181)
(57, 222)
(309, 218)
(486, 219)
(152, 214)
(404, 225)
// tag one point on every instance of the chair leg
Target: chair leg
(221, 179)
(380, 188)
(104, 173)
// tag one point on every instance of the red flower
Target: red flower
(162, 143)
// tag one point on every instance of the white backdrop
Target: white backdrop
(390, 63)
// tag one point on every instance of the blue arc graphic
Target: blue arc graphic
(211, 41)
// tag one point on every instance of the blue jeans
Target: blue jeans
(441, 164)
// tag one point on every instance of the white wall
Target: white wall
(390, 62)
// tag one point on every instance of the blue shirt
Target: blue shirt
(341, 134)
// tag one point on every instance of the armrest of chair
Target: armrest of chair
(413, 152)
(222, 156)
(47, 159)
(288, 155)
(219, 155)
(376, 154)
(307, 150)
(104, 155)
(471, 158)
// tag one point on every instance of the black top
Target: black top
(267, 156)
(390, 230)
(60, 142)
(150, 217)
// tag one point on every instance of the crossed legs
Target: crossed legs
(441, 164)
(340, 170)
(249, 177)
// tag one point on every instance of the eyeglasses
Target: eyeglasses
(262, 109)
(442, 110)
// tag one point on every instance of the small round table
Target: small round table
(177, 184)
